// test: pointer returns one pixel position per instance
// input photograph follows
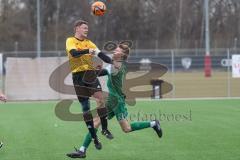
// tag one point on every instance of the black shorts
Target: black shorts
(86, 83)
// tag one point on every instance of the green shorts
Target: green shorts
(116, 107)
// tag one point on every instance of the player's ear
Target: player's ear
(110, 46)
(129, 43)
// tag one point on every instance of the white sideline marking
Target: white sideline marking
(137, 99)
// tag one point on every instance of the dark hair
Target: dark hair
(79, 23)
(125, 49)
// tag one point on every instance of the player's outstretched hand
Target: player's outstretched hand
(97, 51)
(94, 51)
(3, 98)
(91, 51)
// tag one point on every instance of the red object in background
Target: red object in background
(207, 66)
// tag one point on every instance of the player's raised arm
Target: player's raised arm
(102, 56)
(75, 53)
(110, 69)
(71, 48)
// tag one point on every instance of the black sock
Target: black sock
(102, 112)
(88, 118)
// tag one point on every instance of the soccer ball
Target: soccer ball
(98, 8)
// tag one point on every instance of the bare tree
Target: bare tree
(151, 23)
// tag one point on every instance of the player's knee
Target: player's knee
(100, 104)
(85, 103)
(99, 96)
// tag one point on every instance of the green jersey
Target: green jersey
(116, 98)
(116, 80)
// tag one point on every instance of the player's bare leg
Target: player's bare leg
(126, 127)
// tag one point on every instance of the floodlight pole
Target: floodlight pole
(56, 29)
(207, 46)
(207, 59)
(38, 29)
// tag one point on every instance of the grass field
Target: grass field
(193, 130)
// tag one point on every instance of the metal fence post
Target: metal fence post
(156, 48)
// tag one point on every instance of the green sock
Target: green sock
(88, 140)
(140, 125)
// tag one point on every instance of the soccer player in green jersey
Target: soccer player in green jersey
(116, 101)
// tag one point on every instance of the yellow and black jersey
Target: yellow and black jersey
(84, 62)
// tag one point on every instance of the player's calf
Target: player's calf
(90, 125)
(102, 112)
(125, 126)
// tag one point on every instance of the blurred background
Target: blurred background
(195, 40)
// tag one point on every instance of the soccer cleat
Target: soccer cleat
(107, 134)
(1, 144)
(158, 129)
(97, 143)
(77, 154)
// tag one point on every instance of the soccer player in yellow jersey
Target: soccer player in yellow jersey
(116, 100)
(81, 51)
(4, 99)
